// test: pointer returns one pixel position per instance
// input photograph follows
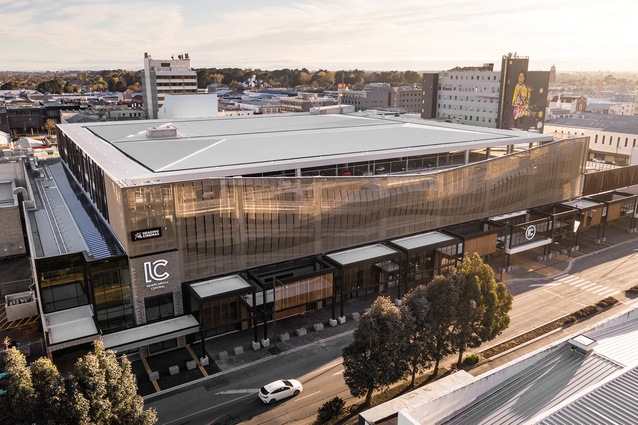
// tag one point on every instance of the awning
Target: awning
(365, 253)
(220, 288)
(70, 327)
(527, 246)
(151, 333)
(434, 239)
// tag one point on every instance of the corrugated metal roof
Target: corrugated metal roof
(615, 402)
(550, 382)
(101, 242)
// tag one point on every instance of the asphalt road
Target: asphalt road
(232, 397)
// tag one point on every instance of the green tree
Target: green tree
(49, 400)
(10, 85)
(374, 359)
(483, 305)
(442, 297)
(108, 388)
(417, 337)
(49, 125)
(18, 385)
(412, 77)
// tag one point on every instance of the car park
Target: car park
(279, 390)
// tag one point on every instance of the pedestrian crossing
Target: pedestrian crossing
(585, 285)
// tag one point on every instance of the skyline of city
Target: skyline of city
(372, 35)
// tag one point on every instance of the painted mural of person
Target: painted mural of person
(520, 101)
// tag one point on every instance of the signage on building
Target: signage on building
(530, 232)
(154, 232)
(155, 274)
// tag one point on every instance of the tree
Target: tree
(108, 388)
(10, 85)
(374, 360)
(49, 400)
(49, 126)
(483, 304)
(442, 297)
(418, 336)
(18, 385)
(101, 391)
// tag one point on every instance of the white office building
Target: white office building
(469, 96)
(166, 76)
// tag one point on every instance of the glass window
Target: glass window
(159, 308)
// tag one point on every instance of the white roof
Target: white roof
(233, 146)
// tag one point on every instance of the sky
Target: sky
(426, 35)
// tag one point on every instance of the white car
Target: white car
(279, 390)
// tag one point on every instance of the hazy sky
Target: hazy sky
(582, 35)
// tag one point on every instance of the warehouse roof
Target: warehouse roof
(136, 151)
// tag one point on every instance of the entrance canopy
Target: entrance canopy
(424, 240)
(151, 333)
(222, 287)
(356, 256)
(74, 324)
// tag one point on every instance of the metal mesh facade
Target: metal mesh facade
(222, 225)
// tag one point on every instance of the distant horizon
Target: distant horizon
(558, 71)
(335, 35)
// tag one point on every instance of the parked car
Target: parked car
(279, 390)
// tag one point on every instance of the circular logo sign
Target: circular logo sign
(530, 232)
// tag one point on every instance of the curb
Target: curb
(245, 365)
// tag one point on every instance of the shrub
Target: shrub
(607, 302)
(331, 409)
(586, 311)
(471, 360)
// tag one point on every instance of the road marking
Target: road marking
(338, 373)
(327, 367)
(568, 279)
(247, 391)
(597, 291)
(611, 292)
(181, 420)
(309, 395)
(545, 284)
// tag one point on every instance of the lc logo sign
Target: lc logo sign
(155, 271)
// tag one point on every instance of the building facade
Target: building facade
(612, 137)
(187, 227)
(468, 96)
(166, 76)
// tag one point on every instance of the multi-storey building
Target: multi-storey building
(513, 98)
(373, 96)
(613, 138)
(154, 235)
(406, 99)
(166, 76)
(304, 102)
(468, 95)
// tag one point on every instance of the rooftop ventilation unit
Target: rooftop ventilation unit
(582, 344)
(161, 131)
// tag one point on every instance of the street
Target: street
(232, 397)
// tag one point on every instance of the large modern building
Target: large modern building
(512, 98)
(166, 76)
(468, 95)
(153, 234)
